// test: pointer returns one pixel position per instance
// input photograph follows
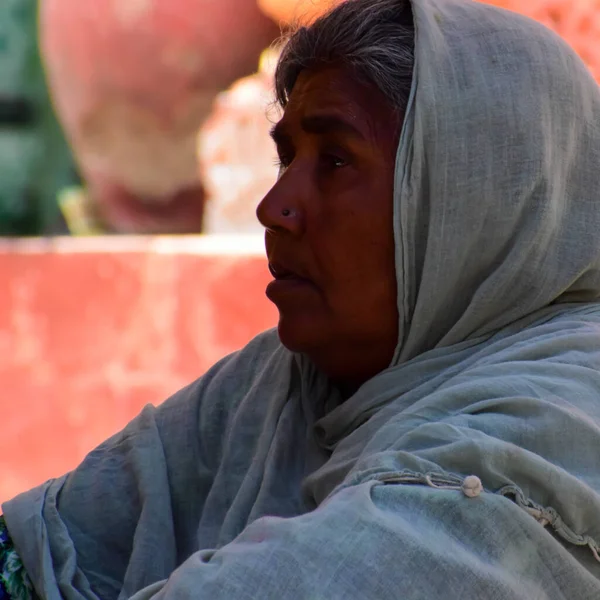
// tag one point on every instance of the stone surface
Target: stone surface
(93, 329)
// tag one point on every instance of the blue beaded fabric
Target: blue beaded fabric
(14, 581)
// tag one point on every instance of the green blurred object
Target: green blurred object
(35, 160)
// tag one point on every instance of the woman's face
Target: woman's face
(329, 237)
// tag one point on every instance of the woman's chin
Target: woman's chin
(300, 334)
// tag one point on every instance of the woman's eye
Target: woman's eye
(282, 163)
(333, 161)
(327, 160)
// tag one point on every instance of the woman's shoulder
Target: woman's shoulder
(196, 417)
(228, 380)
(246, 380)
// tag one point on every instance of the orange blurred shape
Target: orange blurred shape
(293, 11)
(132, 81)
(236, 154)
(577, 21)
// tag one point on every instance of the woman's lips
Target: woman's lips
(286, 282)
(280, 271)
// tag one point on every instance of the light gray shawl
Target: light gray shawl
(256, 482)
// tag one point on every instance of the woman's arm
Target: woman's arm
(375, 542)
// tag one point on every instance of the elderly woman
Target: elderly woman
(425, 423)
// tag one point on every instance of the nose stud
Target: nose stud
(286, 212)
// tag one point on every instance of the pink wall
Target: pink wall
(92, 329)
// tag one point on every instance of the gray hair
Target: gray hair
(372, 38)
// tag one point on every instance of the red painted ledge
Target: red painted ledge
(92, 329)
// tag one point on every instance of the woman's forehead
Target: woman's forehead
(337, 92)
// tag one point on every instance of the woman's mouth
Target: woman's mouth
(286, 282)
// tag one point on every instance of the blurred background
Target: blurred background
(134, 149)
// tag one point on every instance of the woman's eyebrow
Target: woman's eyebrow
(330, 123)
(318, 124)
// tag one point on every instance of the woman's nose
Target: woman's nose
(280, 210)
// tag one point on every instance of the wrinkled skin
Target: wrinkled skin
(333, 255)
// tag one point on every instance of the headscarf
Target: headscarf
(497, 208)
